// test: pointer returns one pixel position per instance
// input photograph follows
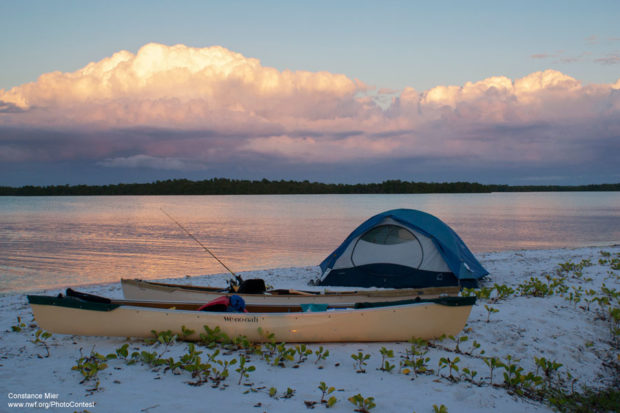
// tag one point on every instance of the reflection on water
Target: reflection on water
(56, 241)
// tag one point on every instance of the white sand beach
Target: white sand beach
(573, 332)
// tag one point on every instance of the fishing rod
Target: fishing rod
(238, 278)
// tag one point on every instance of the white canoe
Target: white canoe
(134, 289)
(396, 321)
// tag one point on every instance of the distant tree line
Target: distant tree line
(224, 186)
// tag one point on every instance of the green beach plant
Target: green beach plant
(523, 384)
(243, 369)
(302, 352)
(535, 287)
(273, 392)
(244, 344)
(362, 404)
(503, 292)
(360, 361)
(321, 354)
(170, 364)
(270, 346)
(122, 352)
(288, 393)
(212, 337)
(482, 293)
(490, 310)
(451, 364)
(440, 409)
(458, 340)
(150, 358)
(219, 371)
(19, 326)
(268, 337)
(326, 391)
(191, 356)
(192, 363)
(186, 332)
(468, 292)
(165, 339)
(493, 363)
(90, 366)
(512, 372)
(548, 367)
(575, 295)
(385, 355)
(200, 372)
(282, 355)
(470, 375)
(568, 267)
(475, 346)
(40, 338)
(415, 359)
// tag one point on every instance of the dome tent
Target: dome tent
(402, 248)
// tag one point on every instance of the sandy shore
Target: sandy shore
(574, 334)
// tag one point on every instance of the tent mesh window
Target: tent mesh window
(393, 245)
(388, 235)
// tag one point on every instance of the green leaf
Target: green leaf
(331, 401)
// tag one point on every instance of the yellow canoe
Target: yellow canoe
(363, 322)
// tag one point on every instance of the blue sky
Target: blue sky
(388, 46)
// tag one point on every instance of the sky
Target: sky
(514, 93)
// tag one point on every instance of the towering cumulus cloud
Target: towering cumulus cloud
(178, 107)
(179, 86)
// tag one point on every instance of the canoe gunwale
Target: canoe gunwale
(84, 304)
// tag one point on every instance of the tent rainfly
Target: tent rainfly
(402, 248)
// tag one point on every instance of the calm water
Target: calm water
(56, 241)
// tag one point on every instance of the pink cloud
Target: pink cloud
(147, 161)
(177, 107)
(180, 86)
(609, 59)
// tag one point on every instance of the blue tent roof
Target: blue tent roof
(458, 257)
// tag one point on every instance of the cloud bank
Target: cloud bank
(183, 108)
